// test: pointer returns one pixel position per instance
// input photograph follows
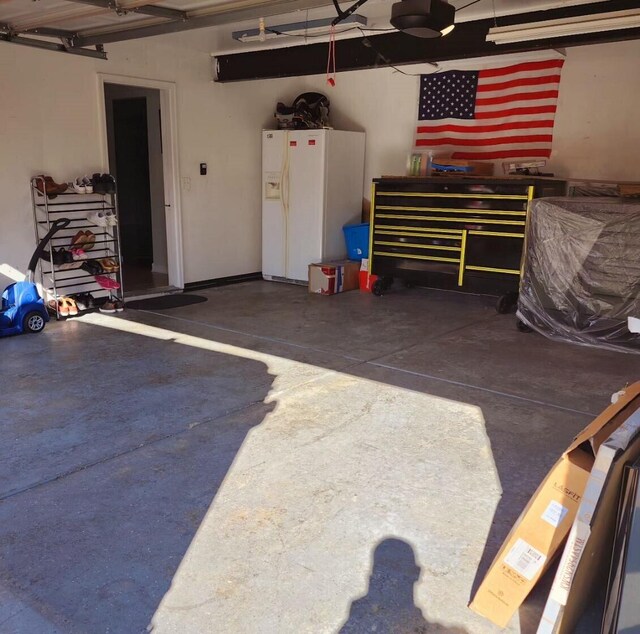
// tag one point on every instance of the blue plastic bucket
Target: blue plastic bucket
(357, 239)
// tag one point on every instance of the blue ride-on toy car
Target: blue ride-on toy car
(23, 310)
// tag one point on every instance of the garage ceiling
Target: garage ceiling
(83, 26)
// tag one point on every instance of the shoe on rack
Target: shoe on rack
(84, 301)
(119, 304)
(78, 254)
(46, 185)
(109, 183)
(102, 218)
(78, 186)
(107, 283)
(77, 242)
(79, 299)
(89, 240)
(108, 307)
(109, 265)
(61, 257)
(59, 307)
(92, 267)
(71, 306)
(103, 183)
(88, 185)
(100, 185)
(98, 218)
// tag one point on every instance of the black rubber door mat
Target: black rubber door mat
(166, 302)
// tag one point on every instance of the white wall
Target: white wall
(49, 123)
(596, 135)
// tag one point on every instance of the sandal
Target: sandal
(107, 283)
(78, 254)
(59, 307)
(72, 307)
(89, 240)
(109, 265)
(77, 242)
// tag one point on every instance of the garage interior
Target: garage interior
(214, 445)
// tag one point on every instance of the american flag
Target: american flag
(491, 114)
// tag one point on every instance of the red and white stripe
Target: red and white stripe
(514, 116)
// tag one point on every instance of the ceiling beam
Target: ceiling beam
(146, 8)
(47, 31)
(228, 16)
(52, 46)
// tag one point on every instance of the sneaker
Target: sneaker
(102, 218)
(97, 184)
(98, 218)
(103, 183)
(109, 183)
(84, 301)
(118, 304)
(108, 307)
(78, 186)
(88, 185)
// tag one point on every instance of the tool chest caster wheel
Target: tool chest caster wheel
(506, 303)
(378, 288)
(522, 327)
(381, 285)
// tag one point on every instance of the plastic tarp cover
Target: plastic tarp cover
(581, 278)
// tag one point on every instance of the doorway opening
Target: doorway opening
(136, 160)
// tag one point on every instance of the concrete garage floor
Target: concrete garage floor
(275, 462)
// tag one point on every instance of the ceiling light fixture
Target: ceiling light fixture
(579, 25)
(423, 18)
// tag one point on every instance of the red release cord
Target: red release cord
(331, 62)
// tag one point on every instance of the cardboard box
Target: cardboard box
(544, 524)
(329, 278)
(586, 558)
(366, 278)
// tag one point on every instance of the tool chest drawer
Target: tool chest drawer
(450, 232)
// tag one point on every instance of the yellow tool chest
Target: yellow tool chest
(453, 232)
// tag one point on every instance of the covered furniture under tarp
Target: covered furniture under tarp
(581, 279)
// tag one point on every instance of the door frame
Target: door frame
(171, 173)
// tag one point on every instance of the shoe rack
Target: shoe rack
(62, 280)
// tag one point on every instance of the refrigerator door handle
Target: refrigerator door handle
(284, 194)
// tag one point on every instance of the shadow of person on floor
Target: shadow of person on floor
(389, 607)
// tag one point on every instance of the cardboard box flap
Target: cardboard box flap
(590, 432)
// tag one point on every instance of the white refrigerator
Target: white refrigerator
(311, 187)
